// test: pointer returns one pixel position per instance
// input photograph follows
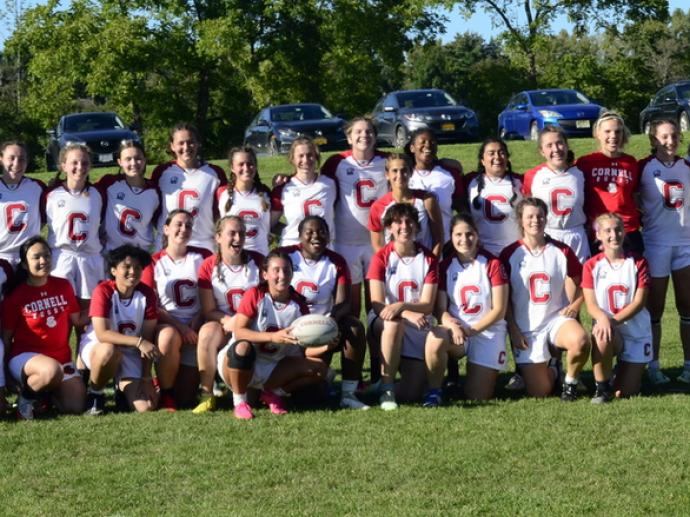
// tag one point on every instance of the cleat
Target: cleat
(167, 403)
(95, 404)
(515, 383)
(243, 411)
(350, 401)
(25, 408)
(602, 397)
(684, 377)
(432, 398)
(274, 402)
(656, 377)
(218, 389)
(206, 404)
(569, 392)
(387, 401)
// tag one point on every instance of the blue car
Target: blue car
(529, 111)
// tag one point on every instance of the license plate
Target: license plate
(448, 126)
(105, 158)
(320, 140)
(582, 124)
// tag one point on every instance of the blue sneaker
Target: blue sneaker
(433, 398)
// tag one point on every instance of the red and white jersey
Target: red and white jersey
(74, 219)
(381, 206)
(229, 282)
(267, 315)
(445, 184)
(297, 200)
(318, 280)
(609, 187)
(537, 281)
(665, 202)
(192, 190)
(562, 191)
(21, 215)
(126, 316)
(254, 208)
(495, 217)
(130, 212)
(359, 185)
(403, 277)
(176, 282)
(468, 286)
(615, 286)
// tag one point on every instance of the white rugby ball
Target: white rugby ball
(314, 329)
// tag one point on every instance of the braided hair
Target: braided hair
(258, 185)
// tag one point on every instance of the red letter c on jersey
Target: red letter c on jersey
(465, 292)
(13, 212)
(405, 287)
(307, 289)
(539, 287)
(556, 195)
(361, 188)
(123, 225)
(179, 288)
(313, 207)
(249, 217)
(489, 202)
(615, 293)
(673, 194)
(192, 196)
(128, 328)
(71, 226)
(233, 297)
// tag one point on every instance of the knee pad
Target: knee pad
(241, 362)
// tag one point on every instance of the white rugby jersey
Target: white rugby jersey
(381, 206)
(176, 282)
(296, 200)
(229, 282)
(468, 286)
(537, 281)
(318, 280)
(403, 277)
(495, 217)
(664, 192)
(192, 190)
(74, 219)
(267, 315)
(254, 208)
(21, 214)
(445, 184)
(615, 286)
(562, 191)
(130, 212)
(359, 185)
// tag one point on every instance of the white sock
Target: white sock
(238, 398)
(94, 391)
(570, 380)
(349, 387)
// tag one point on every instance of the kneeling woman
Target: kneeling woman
(545, 301)
(403, 278)
(615, 285)
(119, 341)
(37, 320)
(263, 353)
(472, 301)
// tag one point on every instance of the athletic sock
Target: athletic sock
(387, 386)
(349, 387)
(238, 398)
(604, 385)
(570, 380)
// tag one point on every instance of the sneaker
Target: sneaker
(219, 389)
(602, 397)
(656, 376)
(25, 408)
(387, 401)
(515, 383)
(274, 402)
(206, 404)
(243, 411)
(569, 392)
(167, 403)
(684, 377)
(432, 398)
(350, 401)
(95, 404)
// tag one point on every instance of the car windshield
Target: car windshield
(684, 91)
(294, 113)
(558, 97)
(430, 99)
(93, 122)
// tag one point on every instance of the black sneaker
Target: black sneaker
(602, 396)
(95, 404)
(569, 392)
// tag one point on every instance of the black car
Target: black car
(102, 132)
(397, 114)
(275, 128)
(671, 102)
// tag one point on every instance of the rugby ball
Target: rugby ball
(314, 330)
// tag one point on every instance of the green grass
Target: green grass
(509, 456)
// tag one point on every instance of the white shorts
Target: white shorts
(539, 341)
(665, 259)
(358, 257)
(84, 272)
(636, 349)
(576, 238)
(131, 365)
(188, 356)
(488, 348)
(263, 367)
(414, 339)
(16, 367)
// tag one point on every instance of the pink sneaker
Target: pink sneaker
(274, 402)
(243, 411)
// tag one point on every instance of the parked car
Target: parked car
(275, 128)
(671, 102)
(529, 111)
(101, 131)
(397, 114)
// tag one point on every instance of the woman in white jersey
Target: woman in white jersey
(664, 192)
(615, 285)
(223, 279)
(545, 302)
(472, 301)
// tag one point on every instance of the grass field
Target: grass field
(507, 457)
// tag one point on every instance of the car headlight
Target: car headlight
(288, 133)
(550, 114)
(416, 117)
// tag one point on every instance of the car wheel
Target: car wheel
(400, 138)
(273, 147)
(684, 122)
(645, 128)
(50, 163)
(534, 131)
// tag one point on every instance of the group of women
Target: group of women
(215, 300)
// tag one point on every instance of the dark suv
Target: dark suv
(101, 131)
(671, 102)
(397, 114)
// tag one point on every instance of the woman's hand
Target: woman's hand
(518, 340)
(417, 319)
(189, 335)
(227, 322)
(391, 311)
(603, 330)
(569, 312)
(284, 337)
(148, 350)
